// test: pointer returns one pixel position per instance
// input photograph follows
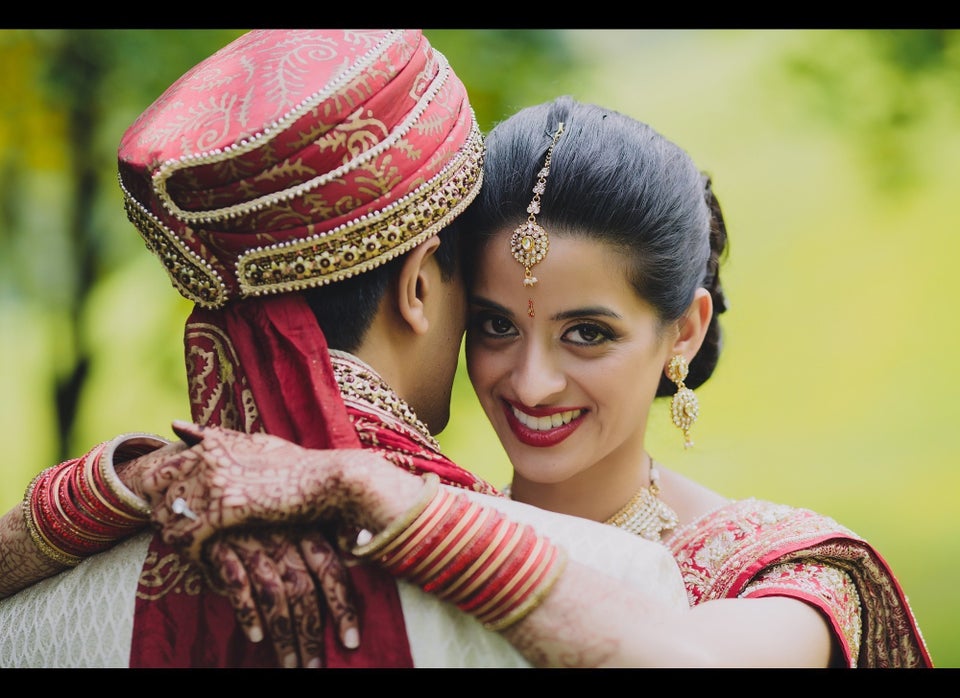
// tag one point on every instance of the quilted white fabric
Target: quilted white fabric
(80, 618)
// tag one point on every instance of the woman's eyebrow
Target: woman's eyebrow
(488, 304)
(586, 311)
(590, 310)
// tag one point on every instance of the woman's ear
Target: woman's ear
(415, 282)
(693, 325)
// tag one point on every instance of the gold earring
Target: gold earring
(684, 407)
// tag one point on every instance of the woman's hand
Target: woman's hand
(228, 478)
(248, 508)
(231, 502)
(271, 578)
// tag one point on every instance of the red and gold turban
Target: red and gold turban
(287, 160)
(291, 159)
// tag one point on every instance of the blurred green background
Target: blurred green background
(834, 154)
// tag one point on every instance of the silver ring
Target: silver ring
(179, 506)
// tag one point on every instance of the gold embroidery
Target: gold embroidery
(170, 574)
(214, 379)
(362, 387)
(365, 242)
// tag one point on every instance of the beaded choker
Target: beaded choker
(646, 514)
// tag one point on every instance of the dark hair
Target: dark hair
(615, 179)
(344, 310)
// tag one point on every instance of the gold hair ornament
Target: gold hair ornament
(684, 407)
(529, 242)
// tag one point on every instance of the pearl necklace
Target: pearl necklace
(646, 514)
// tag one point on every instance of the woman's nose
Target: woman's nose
(537, 377)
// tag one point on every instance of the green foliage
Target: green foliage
(507, 69)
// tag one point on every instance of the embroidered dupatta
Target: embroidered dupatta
(751, 548)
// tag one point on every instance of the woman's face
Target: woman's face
(566, 370)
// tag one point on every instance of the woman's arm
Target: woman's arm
(275, 582)
(75, 509)
(581, 618)
(21, 562)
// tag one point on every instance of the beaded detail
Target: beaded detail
(530, 243)
(646, 514)
(369, 241)
(352, 248)
(362, 387)
(292, 159)
(195, 278)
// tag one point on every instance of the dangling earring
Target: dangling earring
(684, 407)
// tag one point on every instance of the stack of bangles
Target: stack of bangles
(470, 555)
(80, 507)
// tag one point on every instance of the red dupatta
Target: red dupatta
(259, 365)
(753, 548)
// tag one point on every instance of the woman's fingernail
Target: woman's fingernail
(351, 639)
(256, 635)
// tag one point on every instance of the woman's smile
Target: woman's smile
(542, 427)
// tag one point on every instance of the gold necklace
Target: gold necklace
(646, 514)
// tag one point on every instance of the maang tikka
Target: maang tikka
(529, 242)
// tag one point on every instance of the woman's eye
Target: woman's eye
(587, 334)
(495, 326)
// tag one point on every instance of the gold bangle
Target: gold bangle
(454, 592)
(401, 523)
(108, 472)
(534, 567)
(431, 567)
(491, 560)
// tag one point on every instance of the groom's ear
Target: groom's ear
(419, 273)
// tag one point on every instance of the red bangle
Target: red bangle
(35, 520)
(470, 555)
(511, 582)
(422, 536)
(499, 566)
(482, 526)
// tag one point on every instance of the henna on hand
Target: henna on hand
(228, 478)
(325, 562)
(270, 578)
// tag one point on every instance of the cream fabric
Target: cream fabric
(80, 618)
(84, 617)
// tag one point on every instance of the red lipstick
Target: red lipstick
(535, 437)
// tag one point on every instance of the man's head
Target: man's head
(308, 161)
(293, 159)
